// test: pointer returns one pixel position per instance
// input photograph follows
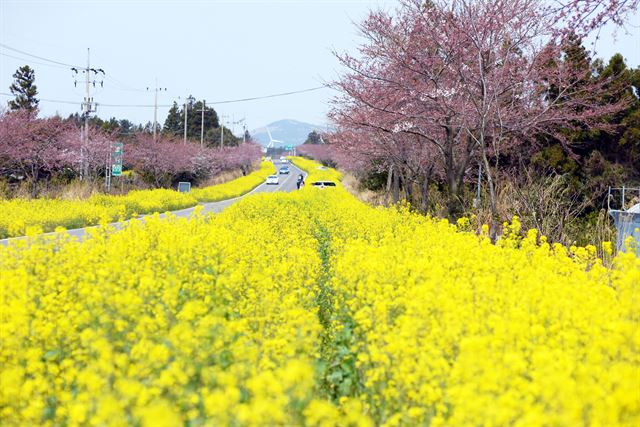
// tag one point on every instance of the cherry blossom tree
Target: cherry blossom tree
(468, 79)
(584, 16)
(35, 149)
(520, 81)
(31, 148)
(167, 160)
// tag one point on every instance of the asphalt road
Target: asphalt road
(287, 183)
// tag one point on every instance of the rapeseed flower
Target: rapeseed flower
(313, 308)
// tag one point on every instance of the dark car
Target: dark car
(284, 170)
(323, 184)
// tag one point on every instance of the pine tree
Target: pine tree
(24, 90)
(194, 120)
(313, 138)
(173, 123)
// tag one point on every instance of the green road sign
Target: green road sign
(116, 156)
(288, 147)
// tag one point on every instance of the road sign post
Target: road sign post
(116, 159)
(184, 187)
(113, 166)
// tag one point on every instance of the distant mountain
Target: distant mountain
(290, 132)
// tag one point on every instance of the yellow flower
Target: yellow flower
(312, 308)
(160, 414)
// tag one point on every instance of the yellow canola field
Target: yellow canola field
(234, 188)
(312, 308)
(315, 171)
(17, 216)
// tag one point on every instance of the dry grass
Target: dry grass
(548, 204)
(222, 178)
(373, 198)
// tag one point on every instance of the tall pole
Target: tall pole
(87, 108)
(185, 121)
(202, 124)
(156, 89)
(155, 111)
(221, 131)
(187, 101)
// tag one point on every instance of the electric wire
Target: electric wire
(275, 95)
(57, 101)
(31, 61)
(59, 64)
(39, 57)
(125, 87)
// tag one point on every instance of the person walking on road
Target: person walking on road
(300, 181)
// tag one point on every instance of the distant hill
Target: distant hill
(288, 131)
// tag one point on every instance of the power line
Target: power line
(170, 105)
(126, 87)
(58, 64)
(31, 61)
(270, 96)
(57, 101)
(38, 57)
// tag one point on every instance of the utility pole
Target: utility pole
(244, 131)
(222, 117)
(88, 104)
(155, 109)
(244, 128)
(186, 107)
(234, 123)
(204, 103)
(185, 122)
(88, 107)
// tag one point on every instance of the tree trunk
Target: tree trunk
(450, 170)
(34, 181)
(403, 186)
(395, 188)
(492, 195)
(424, 199)
(389, 182)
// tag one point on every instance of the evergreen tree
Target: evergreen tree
(24, 90)
(212, 138)
(173, 122)
(126, 126)
(313, 138)
(194, 120)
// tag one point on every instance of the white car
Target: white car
(273, 179)
(283, 159)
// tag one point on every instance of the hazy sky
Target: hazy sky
(214, 50)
